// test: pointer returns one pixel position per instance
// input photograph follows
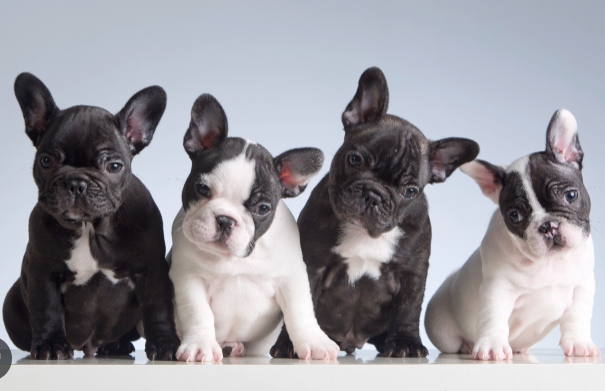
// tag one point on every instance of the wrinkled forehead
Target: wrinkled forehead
(396, 149)
(84, 128)
(236, 169)
(534, 177)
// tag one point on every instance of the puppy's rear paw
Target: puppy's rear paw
(52, 349)
(404, 348)
(200, 350)
(283, 348)
(233, 349)
(492, 349)
(116, 348)
(579, 347)
(318, 347)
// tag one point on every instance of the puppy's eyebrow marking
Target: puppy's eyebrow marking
(521, 166)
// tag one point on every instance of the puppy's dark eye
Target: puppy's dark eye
(355, 159)
(411, 192)
(263, 209)
(46, 161)
(515, 217)
(571, 195)
(203, 189)
(114, 167)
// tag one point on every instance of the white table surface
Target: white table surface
(539, 370)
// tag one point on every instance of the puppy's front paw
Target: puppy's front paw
(203, 350)
(317, 347)
(404, 348)
(57, 348)
(162, 348)
(492, 349)
(573, 347)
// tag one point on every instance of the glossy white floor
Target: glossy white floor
(542, 369)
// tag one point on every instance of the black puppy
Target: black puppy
(365, 231)
(94, 265)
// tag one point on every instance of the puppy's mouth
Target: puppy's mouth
(554, 242)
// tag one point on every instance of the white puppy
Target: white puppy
(236, 261)
(534, 269)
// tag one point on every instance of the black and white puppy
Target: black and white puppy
(365, 231)
(237, 265)
(534, 269)
(94, 266)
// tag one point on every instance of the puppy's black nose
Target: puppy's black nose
(76, 186)
(371, 198)
(225, 224)
(548, 227)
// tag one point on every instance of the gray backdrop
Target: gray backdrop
(284, 73)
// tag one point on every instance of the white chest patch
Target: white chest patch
(364, 254)
(83, 264)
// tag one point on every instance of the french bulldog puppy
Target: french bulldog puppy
(94, 265)
(365, 231)
(236, 259)
(534, 268)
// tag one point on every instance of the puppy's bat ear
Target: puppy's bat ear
(140, 116)
(208, 126)
(37, 105)
(448, 154)
(562, 142)
(370, 102)
(490, 178)
(296, 167)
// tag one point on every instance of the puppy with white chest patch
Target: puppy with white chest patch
(534, 268)
(236, 261)
(95, 263)
(365, 231)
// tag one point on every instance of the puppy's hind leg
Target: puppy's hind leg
(440, 323)
(16, 318)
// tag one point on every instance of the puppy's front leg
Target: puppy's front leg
(496, 303)
(47, 316)
(195, 320)
(403, 336)
(154, 291)
(308, 340)
(575, 323)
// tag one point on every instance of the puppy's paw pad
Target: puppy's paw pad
(579, 348)
(200, 351)
(404, 348)
(492, 349)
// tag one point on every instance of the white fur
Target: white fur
(225, 300)
(364, 254)
(512, 292)
(83, 264)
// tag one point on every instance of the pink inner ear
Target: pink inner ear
(484, 178)
(290, 179)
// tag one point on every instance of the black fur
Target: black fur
(43, 312)
(382, 159)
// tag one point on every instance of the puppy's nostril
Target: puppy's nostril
(77, 186)
(548, 227)
(224, 223)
